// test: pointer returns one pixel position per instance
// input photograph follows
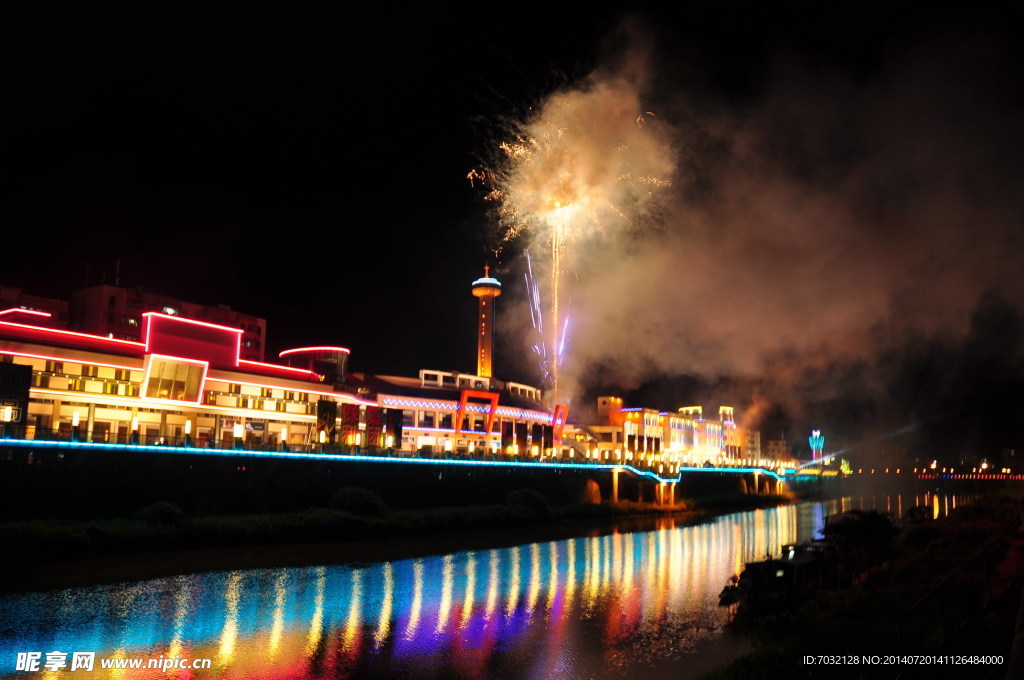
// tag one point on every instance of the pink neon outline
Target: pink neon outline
(278, 367)
(315, 349)
(417, 403)
(193, 321)
(71, 361)
(501, 410)
(73, 333)
(251, 413)
(19, 310)
(238, 338)
(149, 368)
(343, 397)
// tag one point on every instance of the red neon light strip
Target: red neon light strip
(146, 336)
(19, 310)
(193, 321)
(278, 367)
(315, 349)
(71, 333)
(71, 361)
(90, 362)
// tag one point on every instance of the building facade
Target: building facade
(188, 381)
(659, 439)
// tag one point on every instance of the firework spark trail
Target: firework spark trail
(556, 275)
(536, 316)
(584, 164)
(565, 335)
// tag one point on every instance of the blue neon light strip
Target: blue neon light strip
(339, 457)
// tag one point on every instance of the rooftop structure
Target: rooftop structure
(118, 313)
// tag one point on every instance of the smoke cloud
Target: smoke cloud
(826, 222)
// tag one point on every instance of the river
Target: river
(641, 604)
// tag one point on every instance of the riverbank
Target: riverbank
(946, 589)
(64, 553)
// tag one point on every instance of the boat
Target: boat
(776, 582)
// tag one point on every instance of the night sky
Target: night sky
(311, 168)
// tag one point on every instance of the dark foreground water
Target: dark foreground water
(622, 605)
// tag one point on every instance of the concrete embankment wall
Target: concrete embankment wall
(48, 482)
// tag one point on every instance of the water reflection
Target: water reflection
(898, 505)
(617, 605)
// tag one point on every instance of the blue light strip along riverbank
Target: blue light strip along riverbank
(361, 458)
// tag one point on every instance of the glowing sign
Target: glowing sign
(492, 407)
(558, 419)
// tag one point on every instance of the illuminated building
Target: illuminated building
(116, 312)
(464, 414)
(778, 449)
(684, 438)
(753, 444)
(470, 415)
(183, 380)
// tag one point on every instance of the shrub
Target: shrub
(530, 499)
(358, 501)
(161, 513)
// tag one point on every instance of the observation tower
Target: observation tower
(486, 288)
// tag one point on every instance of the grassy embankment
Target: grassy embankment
(950, 586)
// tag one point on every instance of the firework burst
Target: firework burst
(585, 163)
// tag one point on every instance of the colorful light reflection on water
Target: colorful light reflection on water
(606, 606)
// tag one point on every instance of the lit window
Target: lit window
(174, 380)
